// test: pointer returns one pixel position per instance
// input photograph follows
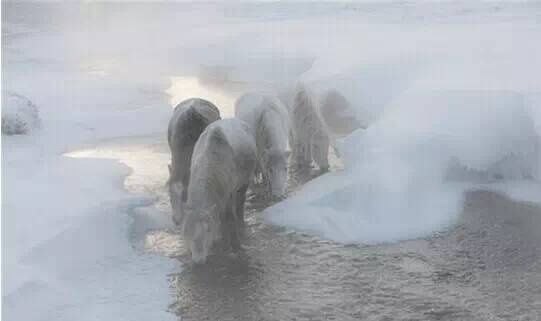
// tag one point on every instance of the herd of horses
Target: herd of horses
(215, 160)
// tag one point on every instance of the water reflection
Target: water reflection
(213, 86)
(148, 158)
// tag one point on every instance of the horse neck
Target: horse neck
(271, 131)
(210, 182)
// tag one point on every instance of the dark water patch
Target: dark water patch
(486, 267)
(461, 274)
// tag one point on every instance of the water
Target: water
(487, 267)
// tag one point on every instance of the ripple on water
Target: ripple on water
(487, 267)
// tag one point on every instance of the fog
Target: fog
(449, 93)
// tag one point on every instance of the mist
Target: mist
(448, 95)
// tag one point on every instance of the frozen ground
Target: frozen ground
(67, 223)
(76, 243)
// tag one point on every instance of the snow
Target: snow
(66, 247)
(96, 71)
(450, 108)
(67, 222)
(405, 175)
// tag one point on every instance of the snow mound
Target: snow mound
(405, 175)
(19, 115)
(483, 131)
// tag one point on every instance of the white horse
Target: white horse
(222, 167)
(310, 139)
(268, 118)
(338, 116)
(189, 120)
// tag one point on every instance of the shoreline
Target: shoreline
(437, 260)
(475, 270)
(84, 251)
(455, 272)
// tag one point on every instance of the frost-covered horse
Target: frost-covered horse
(338, 116)
(222, 167)
(189, 120)
(310, 139)
(269, 120)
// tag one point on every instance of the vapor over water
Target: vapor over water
(450, 96)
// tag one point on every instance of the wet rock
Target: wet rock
(19, 115)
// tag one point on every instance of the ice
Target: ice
(448, 109)
(405, 175)
(67, 253)
(67, 223)
(99, 70)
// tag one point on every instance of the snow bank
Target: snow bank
(450, 107)
(67, 223)
(491, 132)
(19, 114)
(404, 176)
(67, 254)
(66, 236)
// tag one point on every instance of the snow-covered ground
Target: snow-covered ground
(452, 104)
(67, 222)
(102, 70)
(405, 176)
